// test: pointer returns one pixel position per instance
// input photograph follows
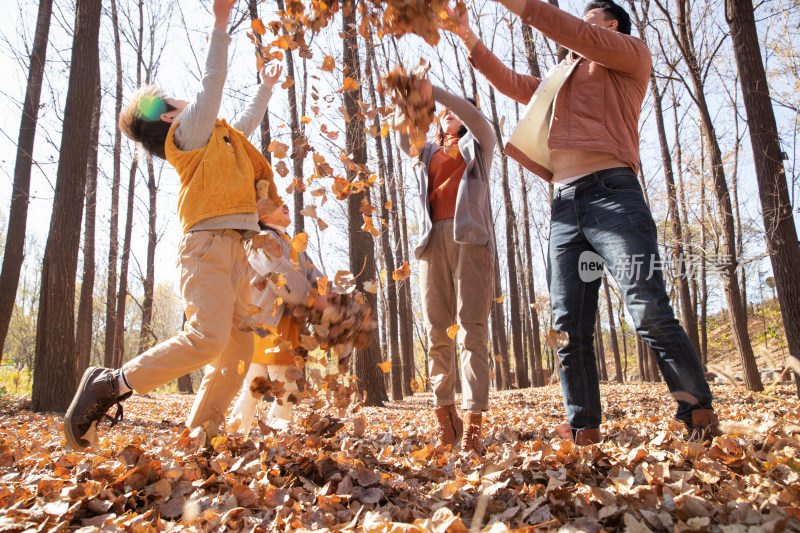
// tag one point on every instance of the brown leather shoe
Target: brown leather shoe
(584, 438)
(450, 426)
(705, 425)
(471, 442)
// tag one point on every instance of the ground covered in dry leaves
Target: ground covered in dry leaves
(149, 473)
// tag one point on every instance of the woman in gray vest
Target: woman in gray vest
(456, 254)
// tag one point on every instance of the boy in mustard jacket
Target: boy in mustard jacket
(220, 172)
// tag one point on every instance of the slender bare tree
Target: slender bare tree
(18, 214)
(55, 364)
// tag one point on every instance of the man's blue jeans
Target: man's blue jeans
(605, 214)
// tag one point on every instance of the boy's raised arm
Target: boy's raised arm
(254, 112)
(198, 119)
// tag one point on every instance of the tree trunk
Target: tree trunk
(55, 364)
(655, 376)
(728, 261)
(612, 328)
(185, 384)
(537, 342)
(499, 315)
(113, 229)
(298, 140)
(688, 317)
(513, 285)
(398, 372)
(641, 359)
(83, 333)
(401, 243)
(600, 349)
(252, 8)
(362, 249)
(18, 214)
(621, 322)
(703, 320)
(146, 336)
(122, 292)
(776, 208)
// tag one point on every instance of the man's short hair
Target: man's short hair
(614, 11)
(141, 119)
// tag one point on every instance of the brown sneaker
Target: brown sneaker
(584, 436)
(97, 393)
(450, 426)
(705, 425)
(471, 441)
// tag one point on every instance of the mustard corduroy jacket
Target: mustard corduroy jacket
(219, 178)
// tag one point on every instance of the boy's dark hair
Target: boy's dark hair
(440, 135)
(613, 11)
(141, 119)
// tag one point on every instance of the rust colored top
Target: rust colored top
(445, 172)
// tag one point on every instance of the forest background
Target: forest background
(134, 202)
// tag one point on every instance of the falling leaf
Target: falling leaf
(359, 426)
(349, 84)
(369, 227)
(402, 273)
(500, 298)
(452, 331)
(388, 205)
(278, 149)
(300, 242)
(371, 287)
(309, 211)
(282, 169)
(386, 366)
(556, 339)
(321, 224)
(366, 207)
(287, 83)
(258, 26)
(328, 64)
(344, 280)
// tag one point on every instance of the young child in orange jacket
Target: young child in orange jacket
(220, 172)
(274, 356)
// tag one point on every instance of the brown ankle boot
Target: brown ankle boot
(450, 426)
(705, 425)
(472, 433)
(584, 438)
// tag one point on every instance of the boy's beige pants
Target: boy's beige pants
(216, 299)
(456, 281)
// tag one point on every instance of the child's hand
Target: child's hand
(222, 10)
(270, 74)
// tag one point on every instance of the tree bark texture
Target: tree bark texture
(146, 336)
(14, 256)
(55, 363)
(729, 261)
(83, 333)
(362, 248)
(513, 285)
(773, 189)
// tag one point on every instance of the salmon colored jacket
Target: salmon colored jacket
(219, 178)
(598, 105)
